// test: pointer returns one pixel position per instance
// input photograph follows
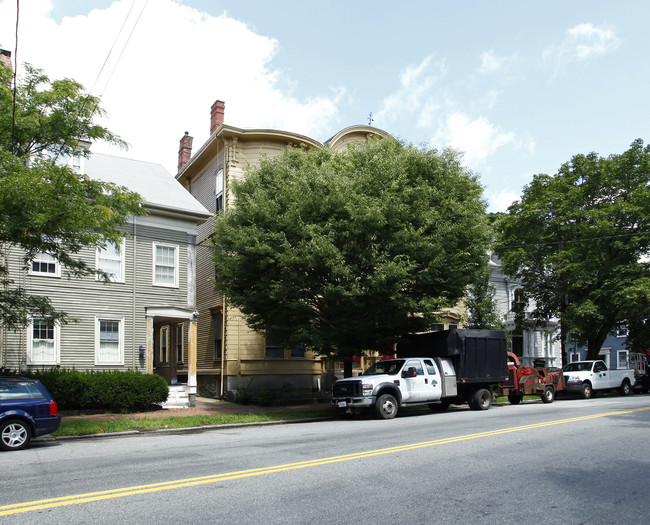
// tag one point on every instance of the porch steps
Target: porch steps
(178, 397)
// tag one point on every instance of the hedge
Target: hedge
(113, 391)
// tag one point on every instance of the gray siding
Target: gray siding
(85, 298)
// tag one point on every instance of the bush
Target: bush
(113, 391)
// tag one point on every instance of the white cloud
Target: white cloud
(501, 201)
(415, 93)
(477, 138)
(581, 43)
(177, 62)
(490, 63)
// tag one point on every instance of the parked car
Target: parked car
(26, 410)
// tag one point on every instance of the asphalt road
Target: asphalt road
(572, 461)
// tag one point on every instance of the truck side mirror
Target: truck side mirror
(409, 372)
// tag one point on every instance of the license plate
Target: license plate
(343, 404)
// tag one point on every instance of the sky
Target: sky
(517, 87)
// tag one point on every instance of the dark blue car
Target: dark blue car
(26, 410)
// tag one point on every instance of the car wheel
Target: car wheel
(549, 395)
(587, 392)
(14, 434)
(386, 406)
(625, 388)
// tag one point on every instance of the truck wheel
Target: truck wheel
(481, 399)
(515, 399)
(549, 395)
(439, 407)
(587, 392)
(625, 388)
(386, 406)
(14, 434)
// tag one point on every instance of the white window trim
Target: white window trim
(625, 354)
(176, 253)
(122, 264)
(30, 342)
(57, 267)
(120, 320)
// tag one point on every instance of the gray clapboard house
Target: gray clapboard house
(145, 318)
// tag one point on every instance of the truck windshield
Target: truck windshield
(578, 367)
(385, 367)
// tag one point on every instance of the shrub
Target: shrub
(114, 391)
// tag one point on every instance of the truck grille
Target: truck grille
(347, 389)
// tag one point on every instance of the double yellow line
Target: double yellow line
(30, 506)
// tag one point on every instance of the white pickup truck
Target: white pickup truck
(585, 377)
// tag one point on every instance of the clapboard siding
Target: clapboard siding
(86, 299)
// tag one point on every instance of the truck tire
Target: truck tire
(480, 399)
(386, 406)
(439, 407)
(549, 395)
(625, 388)
(587, 392)
(515, 399)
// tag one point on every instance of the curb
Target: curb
(185, 430)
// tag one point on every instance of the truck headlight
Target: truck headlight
(367, 389)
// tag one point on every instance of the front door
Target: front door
(416, 387)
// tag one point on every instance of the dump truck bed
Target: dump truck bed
(479, 356)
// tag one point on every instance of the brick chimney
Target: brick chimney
(184, 150)
(216, 115)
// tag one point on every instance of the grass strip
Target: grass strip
(81, 427)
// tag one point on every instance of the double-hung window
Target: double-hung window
(111, 260)
(165, 265)
(109, 342)
(45, 264)
(43, 334)
(179, 344)
(273, 349)
(219, 192)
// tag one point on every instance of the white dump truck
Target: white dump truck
(435, 369)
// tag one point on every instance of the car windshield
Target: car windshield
(391, 368)
(578, 367)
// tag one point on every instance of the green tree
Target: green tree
(46, 207)
(481, 306)
(579, 241)
(344, 252)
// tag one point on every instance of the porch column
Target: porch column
(191, 361)
(149, 350)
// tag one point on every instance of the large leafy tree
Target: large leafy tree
(481, 305)
(579, 241)
(344, 252)
(45, 207)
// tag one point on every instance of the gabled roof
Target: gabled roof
(157, 187)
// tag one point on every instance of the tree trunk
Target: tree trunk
(596, 343)
(347, 367)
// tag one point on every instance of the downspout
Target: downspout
(223, 347)
(223, 300)
(133, 300)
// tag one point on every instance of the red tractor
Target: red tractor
(528, 380)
